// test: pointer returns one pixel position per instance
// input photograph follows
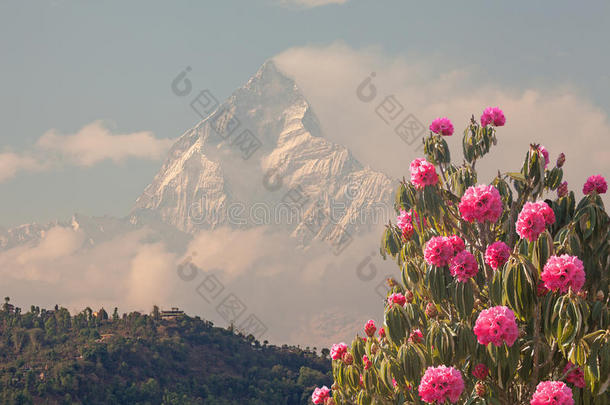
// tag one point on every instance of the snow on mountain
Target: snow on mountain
(261, 158)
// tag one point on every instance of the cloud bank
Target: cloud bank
(426, 87)
(92, 144)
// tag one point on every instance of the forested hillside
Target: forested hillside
(54, 357)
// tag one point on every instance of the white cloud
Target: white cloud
(560, 118)
(92, 144)
(311, 3)
(11, 163)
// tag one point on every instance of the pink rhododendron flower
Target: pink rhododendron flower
(547, 212)
(595, 183)
(481, 203)
(396, 298)
(497, 254)
(494, 116)
(480, 371)
(531, 221)
(367, 363)
(440, 384)
(576, 376)
(463, 266)
(552, 393)
(406, 222)
(457, 243)
(416, 336)
(423, 173)
(562, 272)
(338, 350)
(545, 155)
(370, 328)
(496, 325)
(438, 251)
(442, 126)
(320, 394)
(382, 332)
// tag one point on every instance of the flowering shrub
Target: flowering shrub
(504, 286)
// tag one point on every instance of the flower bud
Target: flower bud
(367, 363)
(562, 190)
(391, 282)
(370, 328)
(330, 401)
(561, 159)
(480, 389)
(348, 358)
(431, 311)
(409, 296)
(374, 348)
(541, 290)
(382, 332)
(334, 387)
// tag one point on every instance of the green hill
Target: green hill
(53, 357)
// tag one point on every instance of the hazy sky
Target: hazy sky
(76, 74)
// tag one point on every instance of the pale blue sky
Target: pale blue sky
(65, 64)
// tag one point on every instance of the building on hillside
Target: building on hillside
(172, 314)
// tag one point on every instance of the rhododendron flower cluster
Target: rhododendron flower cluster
(440, 384)
(481, 203)
(396, 298)
(406, 220)
(576, 376)
(463, 266)
(320, 394)
(562, 272)
(480, 371)
(545, 155)
(442, 126)
(494, 116)
(496, 325)
(338, 350)
(416, 336)
(370, 328)
(441, 249)
(552, 393)
(533, 218)
(497, 254)
(595, 183)
(423, 173)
